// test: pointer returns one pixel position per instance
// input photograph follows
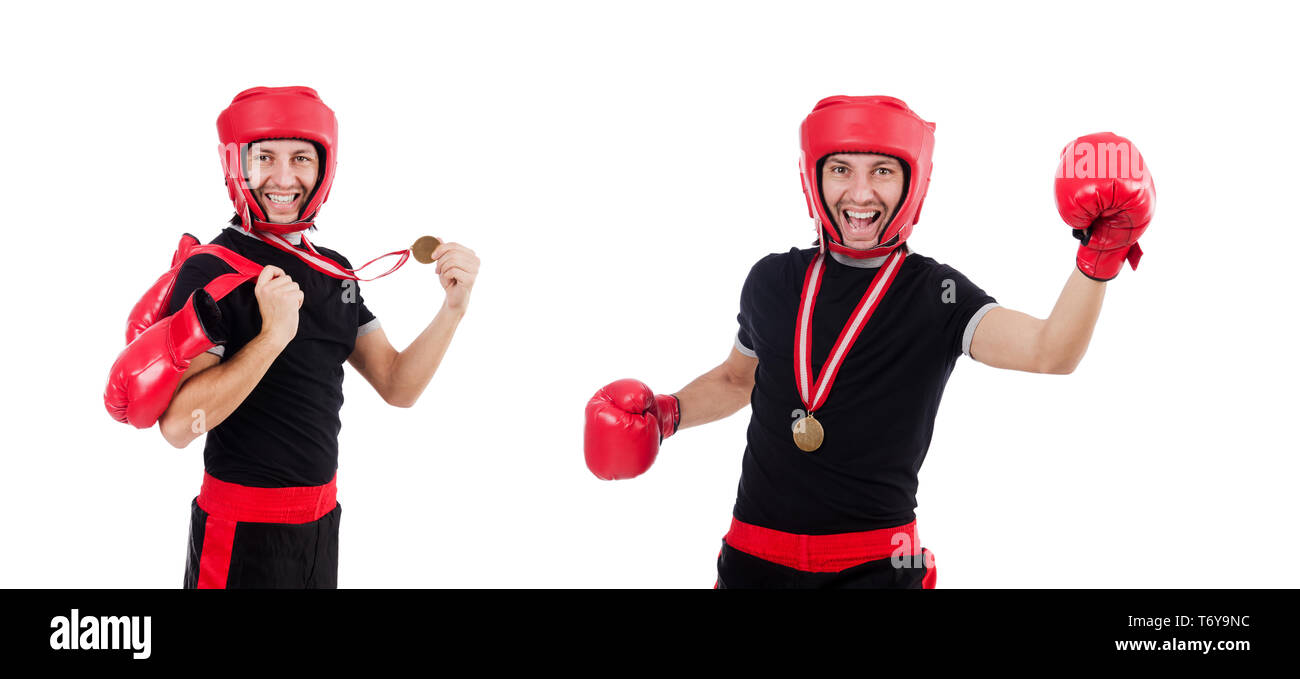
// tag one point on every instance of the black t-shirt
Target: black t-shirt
(286, 432)
(880, 413)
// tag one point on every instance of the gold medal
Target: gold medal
(808, 434)
(424, 247)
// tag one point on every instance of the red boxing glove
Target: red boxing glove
(153, 305)
(146, 373)
(1105, 192)
(626, 422)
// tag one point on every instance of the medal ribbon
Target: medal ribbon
(325, 265)
(815, 397)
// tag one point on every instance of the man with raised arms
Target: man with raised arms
(843, 352)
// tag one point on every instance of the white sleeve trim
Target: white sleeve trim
(368, 328)
(975, 321)
(744, 349)
(219, 350)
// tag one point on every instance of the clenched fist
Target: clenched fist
(278, 298)
(457, 267)
(626, 422)
(1105, 193)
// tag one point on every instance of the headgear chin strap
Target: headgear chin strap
(276, 113)
(883, 125)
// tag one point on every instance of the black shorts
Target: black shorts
(263, 538)
(272, 555)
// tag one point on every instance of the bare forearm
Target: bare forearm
(712, 396)
(1067, 332)
(207, 399)
(414, 366)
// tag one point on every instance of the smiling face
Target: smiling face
(862, 192)
(281, 174)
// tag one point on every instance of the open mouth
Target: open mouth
(861, 222)
(282, 200)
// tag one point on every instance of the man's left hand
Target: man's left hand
(1105, 193)
(457, 267)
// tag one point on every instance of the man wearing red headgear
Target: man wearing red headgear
(268, 396)
(844, 350)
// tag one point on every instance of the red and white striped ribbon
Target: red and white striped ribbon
(325, 265)
(814, 391)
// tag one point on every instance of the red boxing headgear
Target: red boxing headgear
(276, 113)
(883, 125)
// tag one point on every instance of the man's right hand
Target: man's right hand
(626, 422)
(147, 372)
(278, 298)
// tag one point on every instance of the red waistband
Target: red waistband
(823, 553)
(295, 504)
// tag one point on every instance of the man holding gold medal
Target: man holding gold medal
(843, 352)
(250, 349)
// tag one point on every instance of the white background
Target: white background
(618, 169)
